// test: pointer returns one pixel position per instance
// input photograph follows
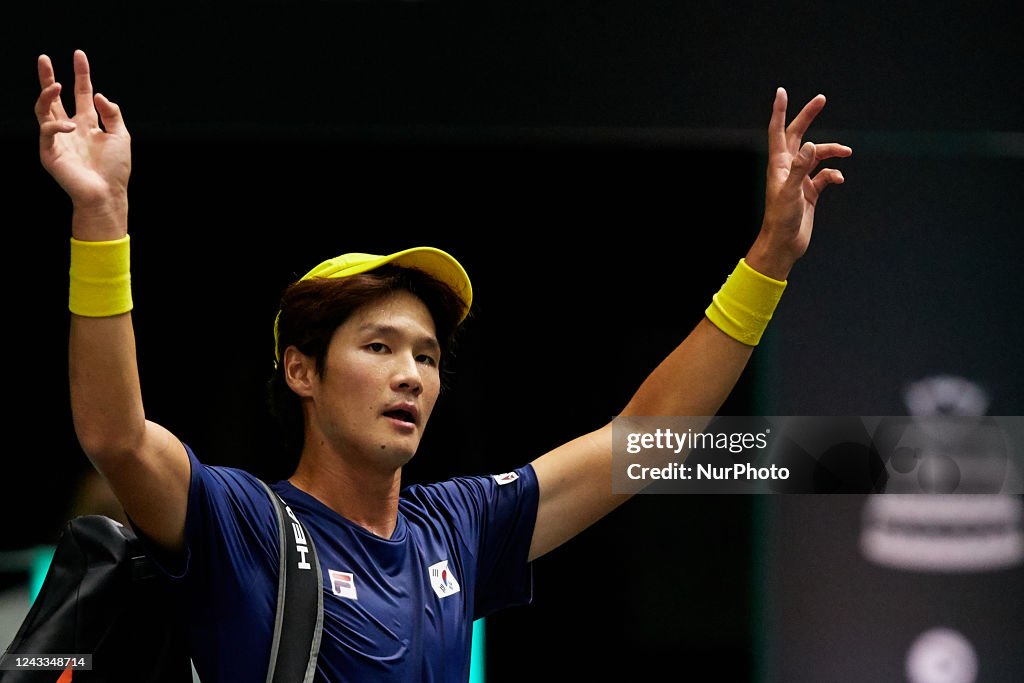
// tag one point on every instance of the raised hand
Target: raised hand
(91, 163)
(792, 191)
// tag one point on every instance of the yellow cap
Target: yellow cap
(434, 262)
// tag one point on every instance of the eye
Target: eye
(427, 360)
(377, 347)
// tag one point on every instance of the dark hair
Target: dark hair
(311, 311)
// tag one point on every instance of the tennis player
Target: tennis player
(360, 342)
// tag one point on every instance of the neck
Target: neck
(363, 495)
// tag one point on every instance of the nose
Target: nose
(406, 376)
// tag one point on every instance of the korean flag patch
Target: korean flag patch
(442, 580)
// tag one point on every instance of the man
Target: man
(360, 340)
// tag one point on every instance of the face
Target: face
(380, 382)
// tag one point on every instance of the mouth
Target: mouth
(405, 414)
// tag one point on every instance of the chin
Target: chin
(397, 455)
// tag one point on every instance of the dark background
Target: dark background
(598, 169)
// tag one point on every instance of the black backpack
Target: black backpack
(103, 597)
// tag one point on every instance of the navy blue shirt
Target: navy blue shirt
(398, 609)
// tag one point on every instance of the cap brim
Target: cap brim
(434, 262)
(440, 265)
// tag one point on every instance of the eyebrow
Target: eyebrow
(391, 330)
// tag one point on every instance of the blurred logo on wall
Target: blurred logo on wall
(946, 446)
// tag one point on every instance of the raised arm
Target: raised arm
(147, 467)
(576, 478)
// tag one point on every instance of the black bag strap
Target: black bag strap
(300, 601)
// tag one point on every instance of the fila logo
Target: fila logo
(442, 580)
(300, 539)
(506, 478)
(343, 584)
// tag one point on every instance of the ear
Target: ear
(299, 371)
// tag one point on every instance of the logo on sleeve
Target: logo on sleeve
(442, 580)
(506, 478)
(343, 584)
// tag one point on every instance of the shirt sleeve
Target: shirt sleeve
(506, 575)
(496, 515)
(228, 516)
(226, 572)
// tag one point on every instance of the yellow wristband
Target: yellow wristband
(101, 284)
(745, 303)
